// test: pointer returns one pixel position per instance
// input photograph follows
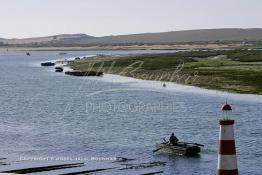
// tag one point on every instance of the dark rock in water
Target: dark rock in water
(28, 54)
(77, 58)
(47, 64)
(59, 69)
(84, 73)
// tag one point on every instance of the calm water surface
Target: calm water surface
(47, 114)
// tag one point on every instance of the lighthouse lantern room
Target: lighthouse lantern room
(226, 111)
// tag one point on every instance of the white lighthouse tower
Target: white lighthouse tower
(227, 160)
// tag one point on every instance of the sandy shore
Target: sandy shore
(131, 47)
(151, 85)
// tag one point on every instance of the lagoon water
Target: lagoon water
(47, 115)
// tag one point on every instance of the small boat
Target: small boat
(84, 73)
(59, 69)
(62, 53)
(182, 148)
(47, 64)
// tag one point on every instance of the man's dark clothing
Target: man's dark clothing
(173, 140)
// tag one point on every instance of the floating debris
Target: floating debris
(88, 171)
(153, 173)
(122, 159)
(3, 163)
(45, 168)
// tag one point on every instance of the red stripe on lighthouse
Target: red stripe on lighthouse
(227, 172)
(227, 147)
(226, 122)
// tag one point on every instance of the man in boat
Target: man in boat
(173, 139)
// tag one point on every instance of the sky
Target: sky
(32, 18)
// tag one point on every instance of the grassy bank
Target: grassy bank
(236, 71)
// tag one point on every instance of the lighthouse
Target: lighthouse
(227, 160)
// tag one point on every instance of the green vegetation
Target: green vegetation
(232, 70)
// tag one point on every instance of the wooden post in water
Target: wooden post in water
(227, 160)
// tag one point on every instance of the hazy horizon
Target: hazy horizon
(29, 18)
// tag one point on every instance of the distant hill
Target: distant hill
(64, 38)
(202, 35)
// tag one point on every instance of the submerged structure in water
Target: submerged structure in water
(84, 73)
(47, 64)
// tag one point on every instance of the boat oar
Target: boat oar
(165, 142)
(192, 143)
(157, 149)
